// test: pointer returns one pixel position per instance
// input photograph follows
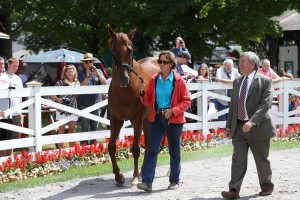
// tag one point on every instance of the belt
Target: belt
(243, 121)
(160, 111)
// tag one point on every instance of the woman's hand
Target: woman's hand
(143, 87)
(167, 113)
(2, 113)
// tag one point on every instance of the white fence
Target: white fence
(38, 95)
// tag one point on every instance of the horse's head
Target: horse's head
(122, 52)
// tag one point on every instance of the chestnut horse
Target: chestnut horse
(124, 98)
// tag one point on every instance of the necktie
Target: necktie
(229, 92)
(241, 103)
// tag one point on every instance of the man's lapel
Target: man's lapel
(253, 85)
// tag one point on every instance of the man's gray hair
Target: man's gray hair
(252, 58)
(228, 60)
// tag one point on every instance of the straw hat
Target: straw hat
(88, 56)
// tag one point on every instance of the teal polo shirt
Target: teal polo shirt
(163, 91)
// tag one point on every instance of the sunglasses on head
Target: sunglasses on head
(88, 61)
(164, 62)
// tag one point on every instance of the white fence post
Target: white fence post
(35, 116)
(205, 129)
(285, 103)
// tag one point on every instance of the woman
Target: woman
(168, 98)
(284, 75)
(68, 78)
(203, 72)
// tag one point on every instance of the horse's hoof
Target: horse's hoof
(120, 180)
(120, 184)
(135, 181)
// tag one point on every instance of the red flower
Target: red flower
(208, 137)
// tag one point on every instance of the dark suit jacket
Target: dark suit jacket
(258, 102)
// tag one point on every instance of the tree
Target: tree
(12, 16)
(204, 24)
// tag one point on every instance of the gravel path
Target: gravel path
(201, 180)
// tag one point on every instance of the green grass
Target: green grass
(127, 165)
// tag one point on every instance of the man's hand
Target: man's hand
(247, 126)
(227, 133)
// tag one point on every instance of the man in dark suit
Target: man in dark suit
(249, 125)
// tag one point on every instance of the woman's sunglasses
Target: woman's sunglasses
(163, 62)
(88, 61)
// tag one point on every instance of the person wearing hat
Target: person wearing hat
(182, 59)
(90, 75)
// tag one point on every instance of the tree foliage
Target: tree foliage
(204, 24)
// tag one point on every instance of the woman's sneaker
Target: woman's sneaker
(173, 186)
(144, 186)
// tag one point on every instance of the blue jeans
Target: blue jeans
(87, 123)
(156, 132)
(221, 107)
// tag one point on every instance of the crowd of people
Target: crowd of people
(89, 75)
(168, 98)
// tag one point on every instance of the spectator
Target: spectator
(225, 74)
(203, 72)
(68, 78)
(23, 77)
(168, 97)
(288, 70)
(90, 75)
(268, 71)
(182, 58)
(2, 64)
(4, 102)
(15, 82)
(285, 75)
(179, 46)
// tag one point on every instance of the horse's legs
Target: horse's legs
(146, 126)
(115, 127)
(137, 124)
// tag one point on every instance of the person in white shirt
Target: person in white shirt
(4, 84)
(14, 83)
(2, 64)
(225, 74)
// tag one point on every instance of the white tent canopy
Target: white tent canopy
(4, 36)
(55, 56)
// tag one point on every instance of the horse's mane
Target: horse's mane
(121, 37)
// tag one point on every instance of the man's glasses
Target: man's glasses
(88, 61)
(164, 62)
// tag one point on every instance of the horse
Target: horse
(124, 98)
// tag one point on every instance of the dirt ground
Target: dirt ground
(201, 180)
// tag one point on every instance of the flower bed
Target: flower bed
(48, 162)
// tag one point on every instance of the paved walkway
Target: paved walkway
(200, 180)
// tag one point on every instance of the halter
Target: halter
(127, 66)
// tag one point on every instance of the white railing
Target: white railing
(38, 95)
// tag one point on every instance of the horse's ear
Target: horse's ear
(131, 34)
(111, 32)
